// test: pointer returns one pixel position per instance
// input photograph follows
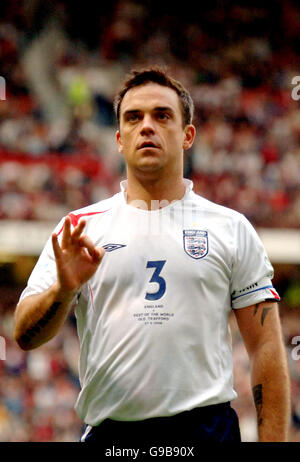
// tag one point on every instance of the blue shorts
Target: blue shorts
(217, 423)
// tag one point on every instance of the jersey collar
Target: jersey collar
(188, 187)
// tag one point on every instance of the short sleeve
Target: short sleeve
(44, 273)
(252, 272)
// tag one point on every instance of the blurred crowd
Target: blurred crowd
(63, 67)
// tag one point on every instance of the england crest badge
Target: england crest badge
(195, 243)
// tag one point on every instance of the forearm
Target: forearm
(271, 391)
(39, 317)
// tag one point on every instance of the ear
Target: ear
(189, 136)
(119, 141)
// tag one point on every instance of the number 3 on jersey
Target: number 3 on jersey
(158, 265)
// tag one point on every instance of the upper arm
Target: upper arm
(253, 296)
(259, 324)
(44, 273)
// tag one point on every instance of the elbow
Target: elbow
(19, 333)
(22, 341)
(25, 346)
(26, 341)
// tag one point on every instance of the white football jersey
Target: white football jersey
(153, 320)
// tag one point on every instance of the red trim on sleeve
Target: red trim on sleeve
(75, 218)
(275, 294)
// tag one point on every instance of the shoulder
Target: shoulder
(222, 219)
(98, 209)
(216, 210)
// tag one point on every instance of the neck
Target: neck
(156, 193)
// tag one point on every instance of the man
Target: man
(154, 272)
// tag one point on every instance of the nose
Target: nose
(147, 127)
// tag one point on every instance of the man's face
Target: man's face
(151, 135)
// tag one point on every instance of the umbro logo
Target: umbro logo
(111, 247)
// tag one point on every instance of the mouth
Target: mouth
(148, 144)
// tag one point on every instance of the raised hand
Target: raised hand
(77, 258)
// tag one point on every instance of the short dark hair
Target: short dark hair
(158, 75)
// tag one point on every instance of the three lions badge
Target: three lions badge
(195, 243)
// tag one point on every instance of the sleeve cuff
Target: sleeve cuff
(254, 296)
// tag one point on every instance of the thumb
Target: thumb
(99, 253)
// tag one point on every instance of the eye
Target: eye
(162, 116)
(132, 117)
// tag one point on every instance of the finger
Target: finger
(85, 241)
(98, 253)
(56, 247)
(66, 236)
(78, 230)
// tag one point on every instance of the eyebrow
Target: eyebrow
(164, 109)
(131, 111)
(158, 109)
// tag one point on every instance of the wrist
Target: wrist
(63, 294)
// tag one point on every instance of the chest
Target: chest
(158, 253)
